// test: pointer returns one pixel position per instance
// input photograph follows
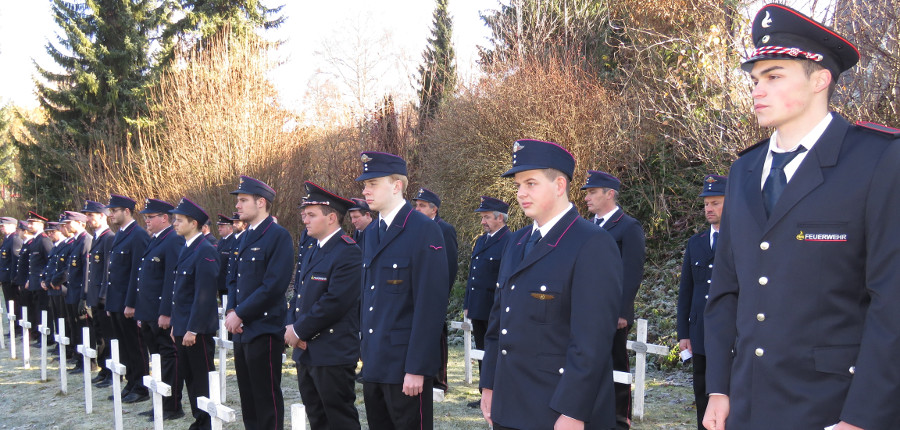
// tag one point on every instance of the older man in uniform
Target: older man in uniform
(9, 257)
(31, 265)
(428, 203)
(484, 266)
(323, 317)
(404, 300)
(602, 201)
(256, 306)
(76, 277)
(225, 247)
(152, 299)
(128, 246)
(803, 329)
(360, 217)
(693, 290)
(95, 291)
(547, 361)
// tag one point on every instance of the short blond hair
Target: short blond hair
(402, 178)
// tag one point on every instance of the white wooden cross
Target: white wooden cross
(11, 317)
(469, 353)
(641, 349)
(87, 353)
(26, 337)
(63, 342)
(44, 330)
(12, 328)
(223, 344)
(117, 369)
(154, 383)
(298, 416)
(219, 413)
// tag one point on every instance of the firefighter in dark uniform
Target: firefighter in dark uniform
(76, 277)
(226, 244)
(802, 328)
(9, 255)
(696, 275)
(323, 316)
(256, 306)
(195, 317)
(484, 266)
(31, 265)
(428, 203)
(95, 291)
(360, 217)
(53, 276)
(404, 300)
(601, 198)
(152, 298)
(128, 246)
(547, 361)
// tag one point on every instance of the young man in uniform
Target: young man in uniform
(9, 255)
(122, 271)
(152, 299)
(547, 361)
(484, 267)
(404, 300)
(802, 322)
(95, 291)
(35, 253)
(195, 317)
(602, 201)
(76, 277)
(323, 317)
(256, 306)
(696, 274)
(427, 202)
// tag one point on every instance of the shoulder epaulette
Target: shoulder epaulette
(890, 131)
(348, 239)
(752, 147)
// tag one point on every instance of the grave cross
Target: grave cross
(62, 341)
(11, 317)
(44, 330)
(117, 369)
(87, 353)
(223, 345)
(641, 349)
(11, 330)
(26, 337)
(219, 413)
(154, 382)
(298, 416)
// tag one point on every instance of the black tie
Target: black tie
(598, 221)
(776, 180)
(382, 230)
(715, 240)
(535, 237)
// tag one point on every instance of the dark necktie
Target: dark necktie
(535, 237)
(382, 230)
(715, 241)
(598, 221)
(777, 180)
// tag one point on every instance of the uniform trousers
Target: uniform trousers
(700, 387)
(159, 341)
(329, 393)
(57, 304)
(258, 367)
(195, 363)
(132, 351)
(479, 328)
(35, 302)
(101, 334)
(387, 408)
(74, 324)
(623, 391)
(11, 292)
(440, 380)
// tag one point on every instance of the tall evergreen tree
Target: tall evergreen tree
(437, 74)
(96, 85)
(201, 19)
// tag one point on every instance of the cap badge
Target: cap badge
(517, 146)
(765, 39)
(711, 180)
(421, 191)
(365, 158)
(767, 21)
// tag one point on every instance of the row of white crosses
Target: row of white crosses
(640, 347)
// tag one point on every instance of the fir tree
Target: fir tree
(437, 74)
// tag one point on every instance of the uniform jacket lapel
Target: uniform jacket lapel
(186, 251)
(809, 175)
(547, 244)
(399, 223)
(484, 245)
(752, 187)
(251, 236)
(614, 220)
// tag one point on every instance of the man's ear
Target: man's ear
(821, 80)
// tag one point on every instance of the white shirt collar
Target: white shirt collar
(390, 215)
(59, 241)
(126, 225)
(549, 224)
(97, 233)
(188, 242)
(606, 217)
(324, 241)
(807, 142)
(229, 235)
